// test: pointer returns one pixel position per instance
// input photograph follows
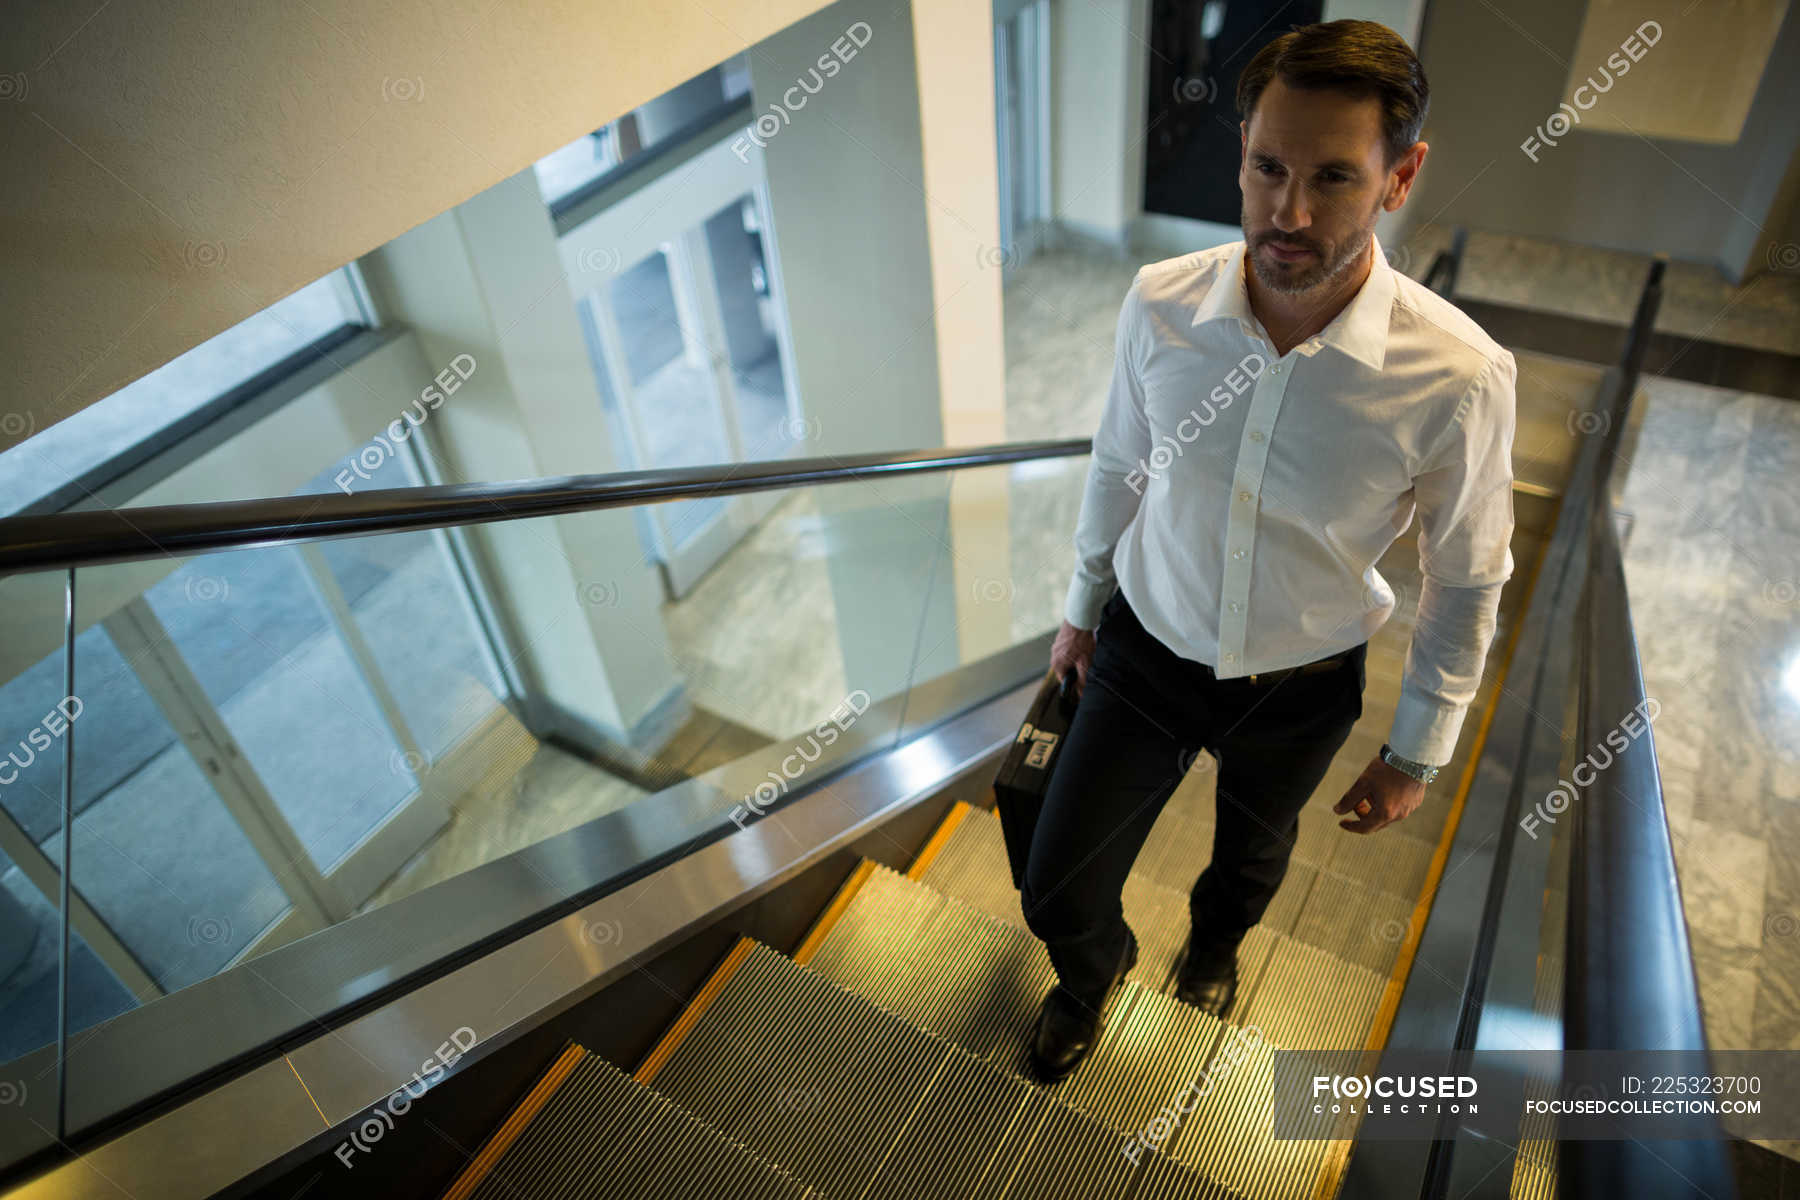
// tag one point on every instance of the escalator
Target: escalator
(883, 1057)
(833, 999)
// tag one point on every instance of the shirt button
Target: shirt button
(1237, 554)
(1256, 435)
(1231, 658)
(1234, 606)
(1243, 495)
(1275, 370)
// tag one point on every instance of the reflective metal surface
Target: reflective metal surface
(196, 1149)
(518, 981)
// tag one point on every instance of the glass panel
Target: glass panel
(418, 623)
(39, 466)
(33, 724)
(674, 393)
(1012, 533)
(263, 646)
(169, 874)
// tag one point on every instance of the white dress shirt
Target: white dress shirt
(1241, 500)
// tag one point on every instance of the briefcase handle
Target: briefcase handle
(1066, 696)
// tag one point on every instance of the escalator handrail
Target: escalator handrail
(1630, 983)
(79, 539)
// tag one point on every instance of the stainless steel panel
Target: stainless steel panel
(195, 1149)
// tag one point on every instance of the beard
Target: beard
(1328, 264)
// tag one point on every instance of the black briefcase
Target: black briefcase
(1024, 775)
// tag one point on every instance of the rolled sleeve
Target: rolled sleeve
(1111, 496)
(1464, 497)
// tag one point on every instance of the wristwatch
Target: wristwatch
(1422, 772)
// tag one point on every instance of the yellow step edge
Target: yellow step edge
(690, 1016)
(939, 838)
(815, 937)
(1337, 1159)
(522, 1116)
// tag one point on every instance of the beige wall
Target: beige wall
(175, 168)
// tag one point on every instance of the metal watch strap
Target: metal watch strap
(1422, 772)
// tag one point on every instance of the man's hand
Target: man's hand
(1380, 796)
(1072, 650)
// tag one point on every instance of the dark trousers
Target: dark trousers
(1144, 714)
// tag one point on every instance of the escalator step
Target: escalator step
(1315, 905)
(1356, 924)
(816, 1079)
(853, 1099)
(602, 1134)
(977, 982)
(1228, 1134)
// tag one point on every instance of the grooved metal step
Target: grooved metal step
(978, 982)
(603, 1134)
(1315, 904)
(852, 1098)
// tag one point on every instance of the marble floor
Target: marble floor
(1713, 569)
(1603, 285)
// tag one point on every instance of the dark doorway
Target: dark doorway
(1197, 51)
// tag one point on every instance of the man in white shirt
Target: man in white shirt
(1280, 409)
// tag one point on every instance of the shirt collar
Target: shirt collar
(1360, 330)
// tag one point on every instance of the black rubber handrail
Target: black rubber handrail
(1630, 982)
(79, 539)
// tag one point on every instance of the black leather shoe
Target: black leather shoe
(1207, 977)
(1067, 1027)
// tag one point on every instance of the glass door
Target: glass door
(685, 345)
(678, 286)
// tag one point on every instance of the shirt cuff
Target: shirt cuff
(1425, 730)
(1085, 600)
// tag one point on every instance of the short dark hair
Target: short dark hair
(1362, 58)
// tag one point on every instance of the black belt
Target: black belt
(1312, 668)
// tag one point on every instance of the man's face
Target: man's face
(1314, 179)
